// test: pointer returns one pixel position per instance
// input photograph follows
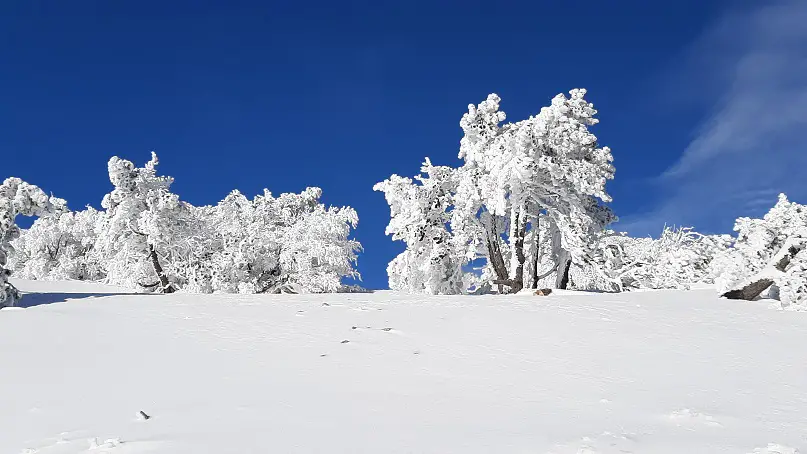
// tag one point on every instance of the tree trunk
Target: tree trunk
(537, 246)
(495, 253)
(517, 230)
(155, 262)
(520, 231)
(752, 288)
(564, 263)
(563, 260)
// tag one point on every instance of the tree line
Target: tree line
(528, 208)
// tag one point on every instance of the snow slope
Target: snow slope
(646, 372)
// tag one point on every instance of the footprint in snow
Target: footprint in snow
(75, 445)
(775, 448)
(687, 417)
(96, 443)
(604, 442)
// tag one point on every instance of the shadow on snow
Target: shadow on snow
(40, 299)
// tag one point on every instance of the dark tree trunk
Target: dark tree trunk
(497, 261)
(535, 257)
(158, 269)
(564, 263)
(495, 255)
(754, 287)
(749, 291)
(521, 227)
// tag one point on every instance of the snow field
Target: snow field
(644, 372)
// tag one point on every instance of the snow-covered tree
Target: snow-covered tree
(60, 247)
(317, 251)
(419, 217)
(290, 243)
(768, 253)
(147, 226)
(17, 198)
(148, 239)
(549, 165)
(547, 170)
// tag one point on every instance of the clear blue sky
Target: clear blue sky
(284, 95)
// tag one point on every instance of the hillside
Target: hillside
(643, 372)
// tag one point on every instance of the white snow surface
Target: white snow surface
(641, 372)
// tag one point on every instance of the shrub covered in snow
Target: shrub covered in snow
(60, 247)
(678, 258)
(289, 243)
(768, 254)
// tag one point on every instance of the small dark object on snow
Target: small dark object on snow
(145, 416)
(543, 292)
(386, 329)
(322, 355)
(345, 341)
(325, 304)
(354, 327)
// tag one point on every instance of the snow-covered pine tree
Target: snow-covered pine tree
(544, 174)
(147, 227)
(419, 217)
(316, 250)
(17, 198)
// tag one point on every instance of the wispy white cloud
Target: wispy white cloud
(753, 145)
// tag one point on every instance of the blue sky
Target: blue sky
(701, 101)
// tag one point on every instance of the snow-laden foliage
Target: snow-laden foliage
(419, 218)
(759, 250)
(678, 258)
(146, 238)
(290, 243)
(60, 247)
(17, 198)
(147, 226)
(548, 169)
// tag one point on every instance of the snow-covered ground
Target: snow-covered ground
(646, 372)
